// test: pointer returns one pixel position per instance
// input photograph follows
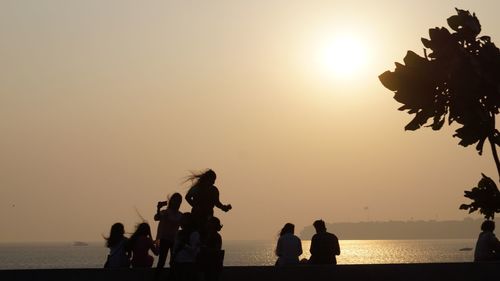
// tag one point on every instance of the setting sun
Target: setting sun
(344, 56)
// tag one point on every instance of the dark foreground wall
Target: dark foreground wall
(388, 272)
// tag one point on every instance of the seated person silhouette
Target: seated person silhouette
(487, 246)
(117, 243)
(289, 247)
(324, 245)
(140, 243)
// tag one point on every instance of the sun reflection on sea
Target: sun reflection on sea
(401, 251)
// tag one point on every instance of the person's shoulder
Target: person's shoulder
(333, 236)
(296, 237)
(330, 234)
(193, 189)
(177, 216)
(490, 235)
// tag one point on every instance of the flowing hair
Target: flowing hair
(142, 229)
(287, 228)
(116, 234)
(200, 178)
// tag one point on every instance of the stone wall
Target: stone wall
(382, 272)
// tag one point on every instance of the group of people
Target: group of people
(191, 238)
(324, 246)
(195, 245)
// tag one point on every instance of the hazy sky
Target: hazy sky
(105, 106)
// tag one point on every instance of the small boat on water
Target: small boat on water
(80, 243)
(465, 249)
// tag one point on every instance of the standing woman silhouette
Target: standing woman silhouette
(203, 196)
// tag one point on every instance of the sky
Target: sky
(107, 106)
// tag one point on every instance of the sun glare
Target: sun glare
(344, 56)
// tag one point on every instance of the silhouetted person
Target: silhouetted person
(117, 243)
(289, 247)
(186, 248)
(140, 243)
(203, 196)
(487, 245)
(324, 245)
(211, 256)
(169, 221)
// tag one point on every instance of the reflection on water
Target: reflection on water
(361, 251)
(405, 251)
(65, 255)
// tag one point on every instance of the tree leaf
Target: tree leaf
(389, 80)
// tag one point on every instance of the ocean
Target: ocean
(238, 253)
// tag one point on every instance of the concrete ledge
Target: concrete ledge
(375, 272)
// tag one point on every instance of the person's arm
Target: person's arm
(153, 247)
(300, 247)
(218, 242)
(495, 243)
(218, 204)
(157, 216)
(312, 249)
(278, 248)
(336, 247)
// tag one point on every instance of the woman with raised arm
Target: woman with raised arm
(168, 225)
(203, 196)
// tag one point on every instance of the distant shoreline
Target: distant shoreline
(402, 230)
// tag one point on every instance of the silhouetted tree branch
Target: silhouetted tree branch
(485, 198)
(458, 81)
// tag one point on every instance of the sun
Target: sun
(345, 56)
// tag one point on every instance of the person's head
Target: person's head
(116, 234)
(287, 228)
(320, 226)
(488, 226)
(143, 229)
(174, 203)
(213, 224)
(206, 178)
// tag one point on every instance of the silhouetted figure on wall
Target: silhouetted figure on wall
(117, 244)
(203, 196)
(487, 245)
(211, 256)
(186, 248)
(140, 243)
(324, 245)
(289, 247)
(169, 221)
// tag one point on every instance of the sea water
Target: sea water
(241, 253)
